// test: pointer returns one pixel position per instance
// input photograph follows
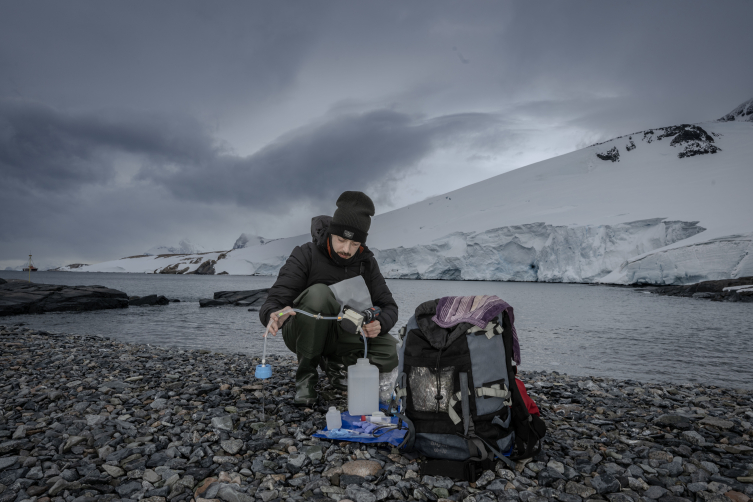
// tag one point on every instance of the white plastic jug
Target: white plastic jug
(334, 420)
(363, 388)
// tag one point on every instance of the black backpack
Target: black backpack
(457, 395)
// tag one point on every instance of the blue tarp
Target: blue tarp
(350, 432)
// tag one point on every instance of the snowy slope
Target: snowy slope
(185, 246)
(666, 206)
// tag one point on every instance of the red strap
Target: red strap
(532, 408)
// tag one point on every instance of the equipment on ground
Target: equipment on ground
(456, 392)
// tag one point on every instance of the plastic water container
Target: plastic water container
(334, 420)
(363, 388)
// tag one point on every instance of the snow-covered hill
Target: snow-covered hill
(668, 205)
(185, 246)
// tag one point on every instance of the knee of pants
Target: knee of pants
(319, 299)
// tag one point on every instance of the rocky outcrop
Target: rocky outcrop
(253, 299)
(206, 268)
(18, 297)
(612, 154)
(2, 281)
(727, 290)
(135, 301)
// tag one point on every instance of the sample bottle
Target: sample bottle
(363, 388)
(334, 421)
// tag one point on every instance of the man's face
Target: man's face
(345, 248)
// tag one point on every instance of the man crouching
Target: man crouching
(337, 253)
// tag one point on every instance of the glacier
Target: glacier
(668, 205)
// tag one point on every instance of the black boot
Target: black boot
(336, 372)
(305, 382)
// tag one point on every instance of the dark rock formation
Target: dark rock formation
(19, 297)
(134, 301)
(206, 268)
(253, 299)
(711, 290)
(612, 154)
(2, 281)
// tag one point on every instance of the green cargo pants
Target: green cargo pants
(311, 338)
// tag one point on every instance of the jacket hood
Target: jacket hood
(436, 335)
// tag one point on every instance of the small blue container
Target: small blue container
(263, 371)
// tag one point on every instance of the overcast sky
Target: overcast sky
(125, 125)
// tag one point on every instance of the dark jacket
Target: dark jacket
(311, 264)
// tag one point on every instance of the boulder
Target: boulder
(253, 298)
(19, 297)
(135, 301)
(209, 302)
(2, 281)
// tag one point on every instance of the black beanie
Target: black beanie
(352, 217)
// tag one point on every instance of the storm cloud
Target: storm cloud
(127, 125)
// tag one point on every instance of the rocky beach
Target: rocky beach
(91, 419)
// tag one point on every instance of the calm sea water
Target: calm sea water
(569, 328)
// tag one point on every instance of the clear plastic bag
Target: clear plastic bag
(423, 388)
(387, 386)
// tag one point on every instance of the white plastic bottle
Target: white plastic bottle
(334, 420)
(363, 388)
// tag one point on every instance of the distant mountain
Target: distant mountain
(668, 205)
(744, 113)
(185, 246)
(249, 240)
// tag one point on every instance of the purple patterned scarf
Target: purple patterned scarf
(477, 310)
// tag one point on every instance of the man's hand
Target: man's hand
(277, 318)
(372, 329)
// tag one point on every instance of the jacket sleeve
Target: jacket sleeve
(290, 283)
(382, 298)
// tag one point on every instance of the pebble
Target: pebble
(87, 418)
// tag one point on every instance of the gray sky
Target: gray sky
(125, 125)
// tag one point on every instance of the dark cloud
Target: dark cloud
(371, 150)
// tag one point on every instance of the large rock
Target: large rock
(148, 300)
(30, 298)
(253, 299)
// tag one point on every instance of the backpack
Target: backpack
(457, 395)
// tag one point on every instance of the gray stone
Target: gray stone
(313, 452)
(228, 494)
(359, 494)
(73, 441)
(6, 462)
(654, 492)
(128, 489)
(693, 437)
(697, 487)
(92, 420)
(20, 432)
(712, 468)
(581, 490)
(676, 421)
(224, 423)
(567, 497)
(297, 460)
(158, 404)
(232, 446)
(113, 470)
(605, 484)
(718, 422)
(557, 466)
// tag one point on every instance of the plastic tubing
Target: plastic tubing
(315, 316)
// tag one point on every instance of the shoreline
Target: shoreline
(90, 418)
